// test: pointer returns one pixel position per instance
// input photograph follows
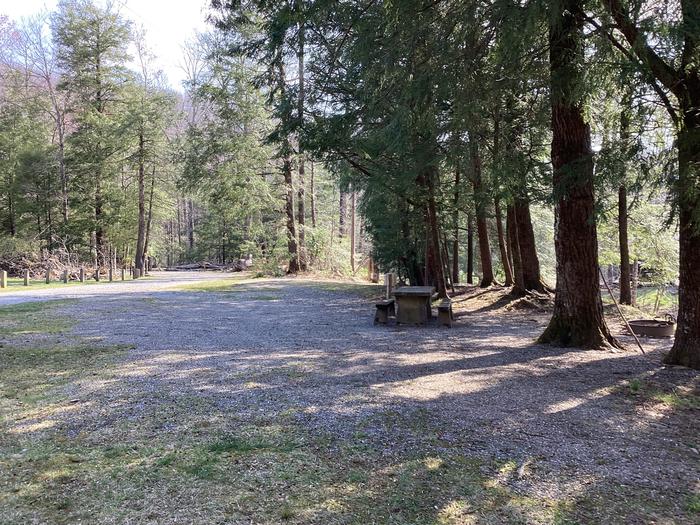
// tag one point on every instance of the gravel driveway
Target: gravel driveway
(309, 353)
(156, 281)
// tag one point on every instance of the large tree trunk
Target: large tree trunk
(502, 244)
(532, 280)
(686, 347)
(470, 248)
(625, 290)
(481, 226)
(577, 319)
(684, 83)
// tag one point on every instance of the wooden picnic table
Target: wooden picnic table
(413, 304)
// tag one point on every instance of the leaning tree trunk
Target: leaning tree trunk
(512, 227)
(625, 290)
(502, 244)
(686, 347)
(481, 226)
(577, 319)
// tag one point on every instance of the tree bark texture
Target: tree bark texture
(532, 280)
(577, 319)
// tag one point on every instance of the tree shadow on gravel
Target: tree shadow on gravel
(236, 409)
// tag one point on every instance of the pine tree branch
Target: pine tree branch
(632, 58)
(664, 73)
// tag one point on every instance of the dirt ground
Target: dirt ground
(278, 401)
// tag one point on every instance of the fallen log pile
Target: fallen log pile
(36, 264)
(236, 266)
(16, 264)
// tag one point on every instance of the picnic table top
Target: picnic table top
(419, 291)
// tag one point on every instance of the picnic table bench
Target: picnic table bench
(385, 309)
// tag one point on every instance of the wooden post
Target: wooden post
(3, 279)
(389, 284)
(111, 274)
(48, 275)
(97, 274)
(82, 275)
(123, 272)
(26, 277)
(65, 276)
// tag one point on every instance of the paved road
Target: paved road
(157, 281)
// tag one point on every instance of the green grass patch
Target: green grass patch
(359, 289)
(40, 317)
(238, 445)
(32, 374)
(693, 504)
(226, 284)
(678, 398)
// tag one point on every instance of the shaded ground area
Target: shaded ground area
(278, 401)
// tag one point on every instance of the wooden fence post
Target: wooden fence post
(48, 275)
(65, 276)
(111, 275)
(123, 272)
(3, 279)
(26, 277)
(82, 275)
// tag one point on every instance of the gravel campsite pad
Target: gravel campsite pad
(204, 399)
